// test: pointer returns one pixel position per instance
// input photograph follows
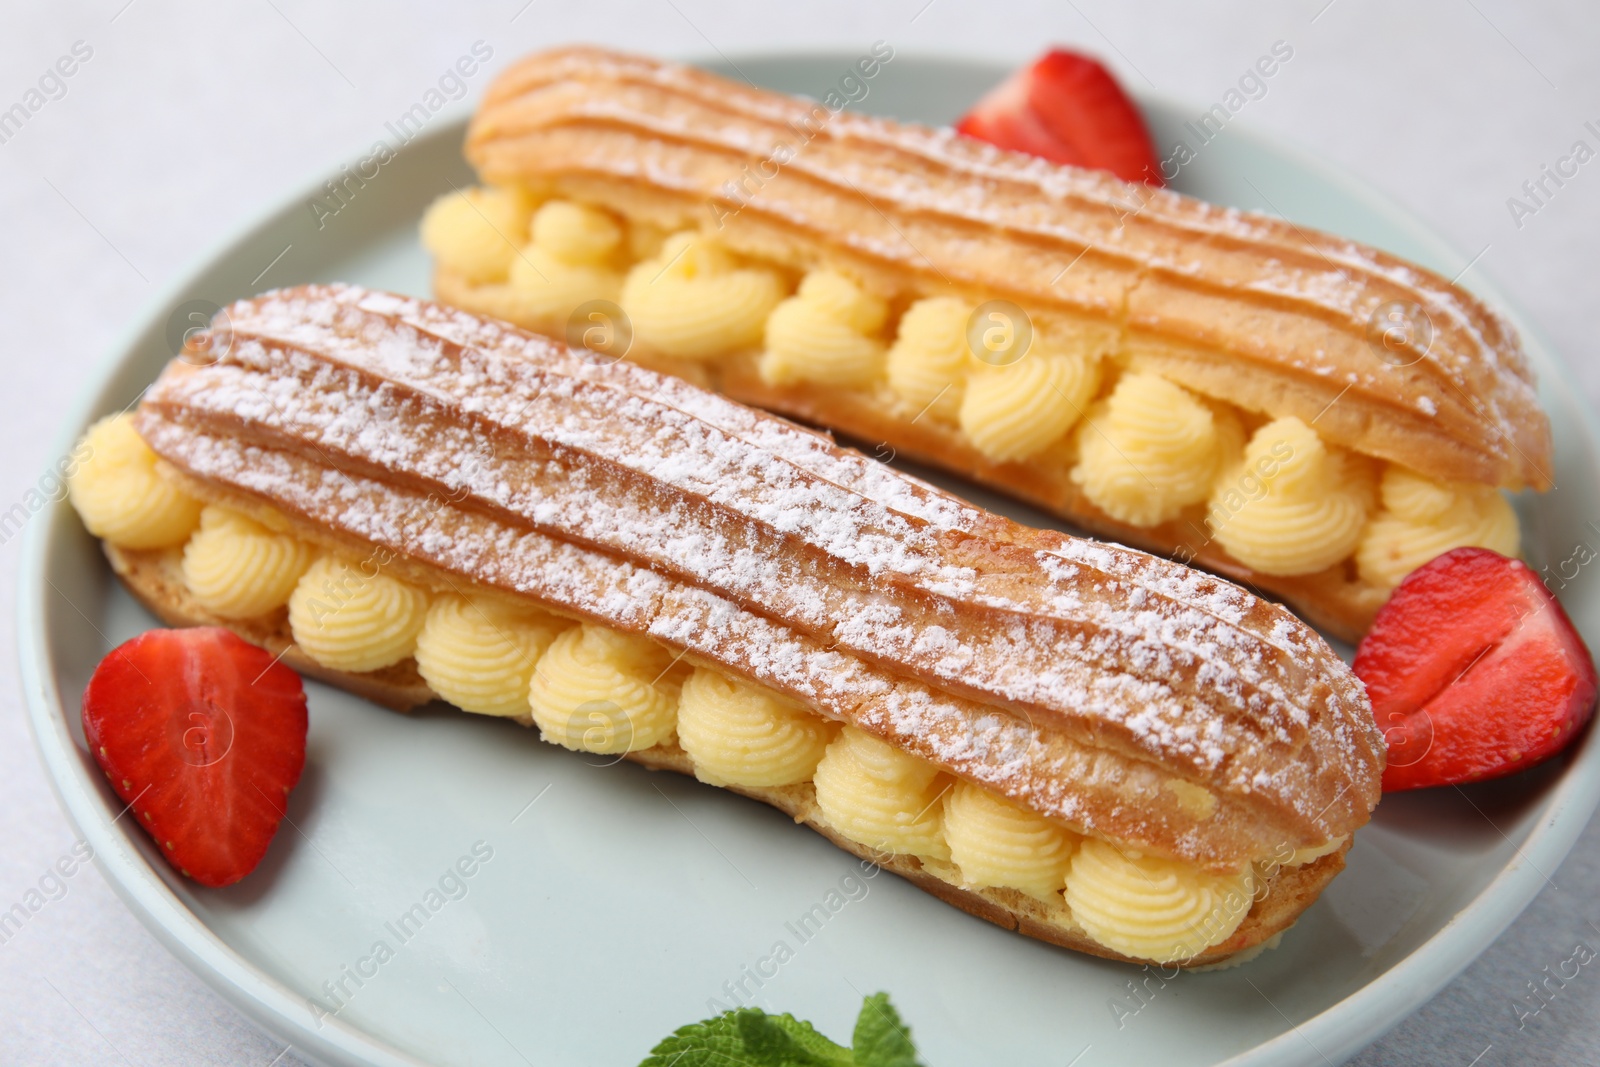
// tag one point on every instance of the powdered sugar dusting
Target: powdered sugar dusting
(541, 459)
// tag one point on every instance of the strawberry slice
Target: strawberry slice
(1474, 671)
(203, 735)
(1067, 108)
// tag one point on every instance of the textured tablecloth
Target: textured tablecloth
(180, 120)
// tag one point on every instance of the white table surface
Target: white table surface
(189, 117)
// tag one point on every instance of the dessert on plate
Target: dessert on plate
(1093, 746)
(1287, 408)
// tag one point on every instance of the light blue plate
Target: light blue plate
(615, 904)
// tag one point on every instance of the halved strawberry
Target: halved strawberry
(1067, 108)
(1474, 671)
(203, 734)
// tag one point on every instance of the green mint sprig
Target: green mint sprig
(749, 1037)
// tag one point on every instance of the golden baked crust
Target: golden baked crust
(1249, 309)
(1092, 684)
(464, 448)
(1233, 304)
(155, 578)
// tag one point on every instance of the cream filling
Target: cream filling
(881, 797)
(694, 301)
(476, 232)
(741, 734)
(119, 494)
(1153, 908)
(480, 655)
(597, 690)
(1149, 452)
(826, 333)
(1312, 507)
(1152, 449)
(238, 569)
(349, 615)
(1015, 412)
(929, 361)
(1422, 518)
(571, 258)
(993, 842)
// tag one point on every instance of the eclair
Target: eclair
(1289, 409)
(1093, 746)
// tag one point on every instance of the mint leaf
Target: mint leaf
(748, 1037)
(881, 1039)
(789, 1040)
(712, 1043)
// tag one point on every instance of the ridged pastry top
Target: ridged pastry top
(1068, 674)
(1230, 303)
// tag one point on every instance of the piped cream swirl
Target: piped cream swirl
(1422, 518)
(996, 843)
(740, 734)
(120, 495)
(881, 797)
(1151, 449)
(351, 617)
(826, 333)
(479, 654)
(694, 301)
(238, 569)
(476, 232)
(597, 690)
(1308, 506)
(569, 261)
(1013, 412)
(928, 363)
(1151, 908)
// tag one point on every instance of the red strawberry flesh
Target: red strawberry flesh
(1474, 671)
(1006, 118)
(204, 735)
(1067, 108)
